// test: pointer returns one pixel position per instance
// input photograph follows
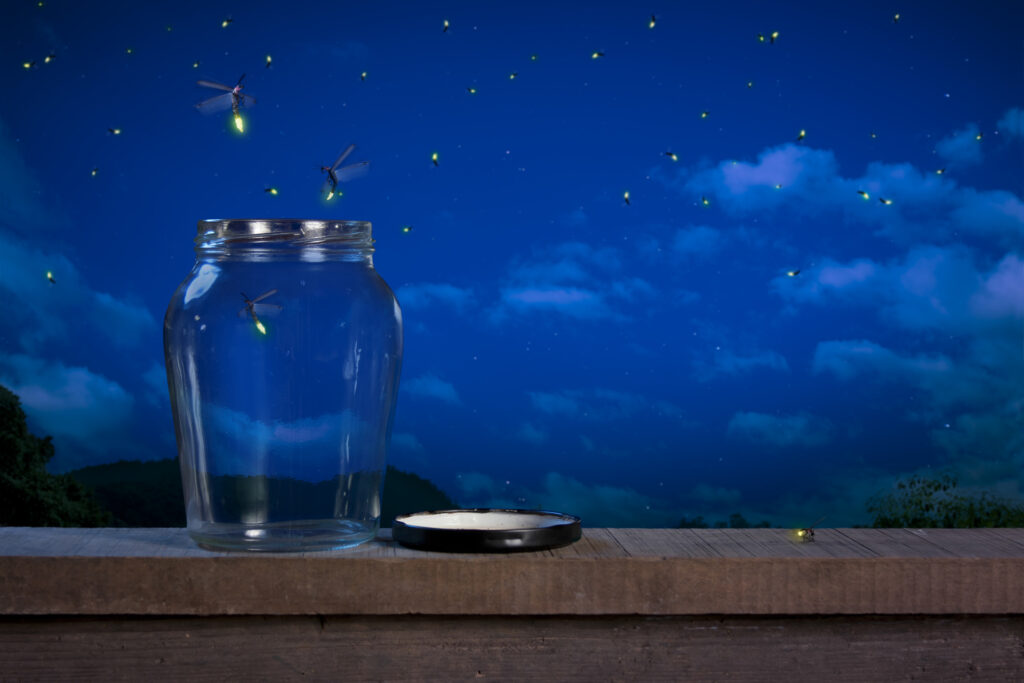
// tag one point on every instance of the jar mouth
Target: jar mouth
(296, 231)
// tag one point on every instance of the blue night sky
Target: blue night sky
(630, 363)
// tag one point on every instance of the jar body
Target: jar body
(283, 367)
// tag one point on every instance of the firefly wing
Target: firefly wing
(264, 295)
(343, 156)
(352, 171)
(246, 100)
(216, 103)
(215, 85)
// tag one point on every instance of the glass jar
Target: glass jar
(283, 350)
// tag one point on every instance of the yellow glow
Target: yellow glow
(801, 532)
(896, 18)
(940, 171)
(406, 228)
(239, 124)
(625, 195)
(195, 64)
(94, 172)
(269, 60)
(260, 327)
(750, 84)
(224, 24)
(446, 25)
(49, 275)
(433, 157)
(802, 134)
(775, 35)
(672, 155)
(705, 114)
(760, 37)
(272, 190)
(512, 76)
(778, 187)
(596, 55)
(533, 58)
(330, 195)
(48, 59)
(979, 136)
(792, 273)
(885, 201)
(863, 194)
(705, 201)
(651, 25)
(472, 91)
(27, 65)
(115, 131)
(128, 51)
(362, 76)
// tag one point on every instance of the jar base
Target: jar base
(282, 537)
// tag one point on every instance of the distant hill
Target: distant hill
(149, 494)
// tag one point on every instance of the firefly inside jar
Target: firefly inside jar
(283, 350)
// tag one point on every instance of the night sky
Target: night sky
(821, 292)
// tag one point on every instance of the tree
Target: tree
(29, 495)
(923, 503)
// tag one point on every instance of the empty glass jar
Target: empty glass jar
(283, 349)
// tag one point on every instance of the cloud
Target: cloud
(726, 362)
(155, 382)
(426, 294)
(962, 148)
(851, 358)
(23, 206)
(1012, 123)
(801, 430)
(573, 280)
(76, 406)
(406, 442)
(531, 434)
(34, 310)
(698, 241)
(432, 386)
(599, 404)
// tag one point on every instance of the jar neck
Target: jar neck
(285, 239)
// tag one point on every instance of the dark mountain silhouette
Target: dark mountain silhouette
(149, 494)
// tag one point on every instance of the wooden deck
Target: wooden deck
(711, 604)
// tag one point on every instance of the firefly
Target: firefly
(806, 535)
(533, 58)
(801, 135)
(233, 97)
(512, 76)
(873, 136)
(271, 190)
(269, 60)
(94, 172)
(433, 157)
(774, 37)
(195, 64)
(596, 55)
(705, 201)
(750, 84)
(761, 38)
(885, 201)
(251, 306)
(864, 194)
(128, 50)
(362, 76)
(625, 195)
(471, 91)
(336, 175)
(979, 136)
(778, 186)
(793, 273)
(49, 276)
(672, 155)
(40, 3)
(940, 171)
(652, 22)
(28, 65)
(444, 29)
(169, 28)
(226, 22)
(406, 229)
(49, 58)
(896, 18)
(705, 114)
(114, 131)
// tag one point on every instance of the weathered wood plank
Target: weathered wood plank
(553, 648)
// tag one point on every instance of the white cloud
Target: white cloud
(426, 294)
(962, 147)
(801, 430)
(726, 362)
(432, 386)
(1012, 123)
(698, 241)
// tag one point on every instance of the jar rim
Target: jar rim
(221, 232)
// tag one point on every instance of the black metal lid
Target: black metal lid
(486, 530)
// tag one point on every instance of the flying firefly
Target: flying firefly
(979, 136)
(471, 90)
(793, 273)
(362, 76)
(169, 28)
(49, 276)
(596, 55)
(774, 36)
(269, 60)
(252, 305)
(533, 58)
(271, 190)
(778, 186)
(195, 64)
(226, 22)
(761, 38)
(512, 76)
(337, 175)
(128, 50)
(28, 65)
(940, 171)
(444, 29)
(896, 18)
(873, 135)
(885, 201)
(233, 97)
(114, 131)
(705, 201)
(625, 195)
(672, 155)
(406, 229)
(863, 194)
(705, 114)
(49, 58)
(750, 84)
(94, 172)
(652, 22)
(433, 157)
(806, 535)
(801, 135)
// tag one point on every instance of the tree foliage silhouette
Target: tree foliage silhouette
(29, 495)
(923, 503)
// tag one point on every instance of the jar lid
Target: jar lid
(486, 530)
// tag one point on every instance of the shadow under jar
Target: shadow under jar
(283, 349)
